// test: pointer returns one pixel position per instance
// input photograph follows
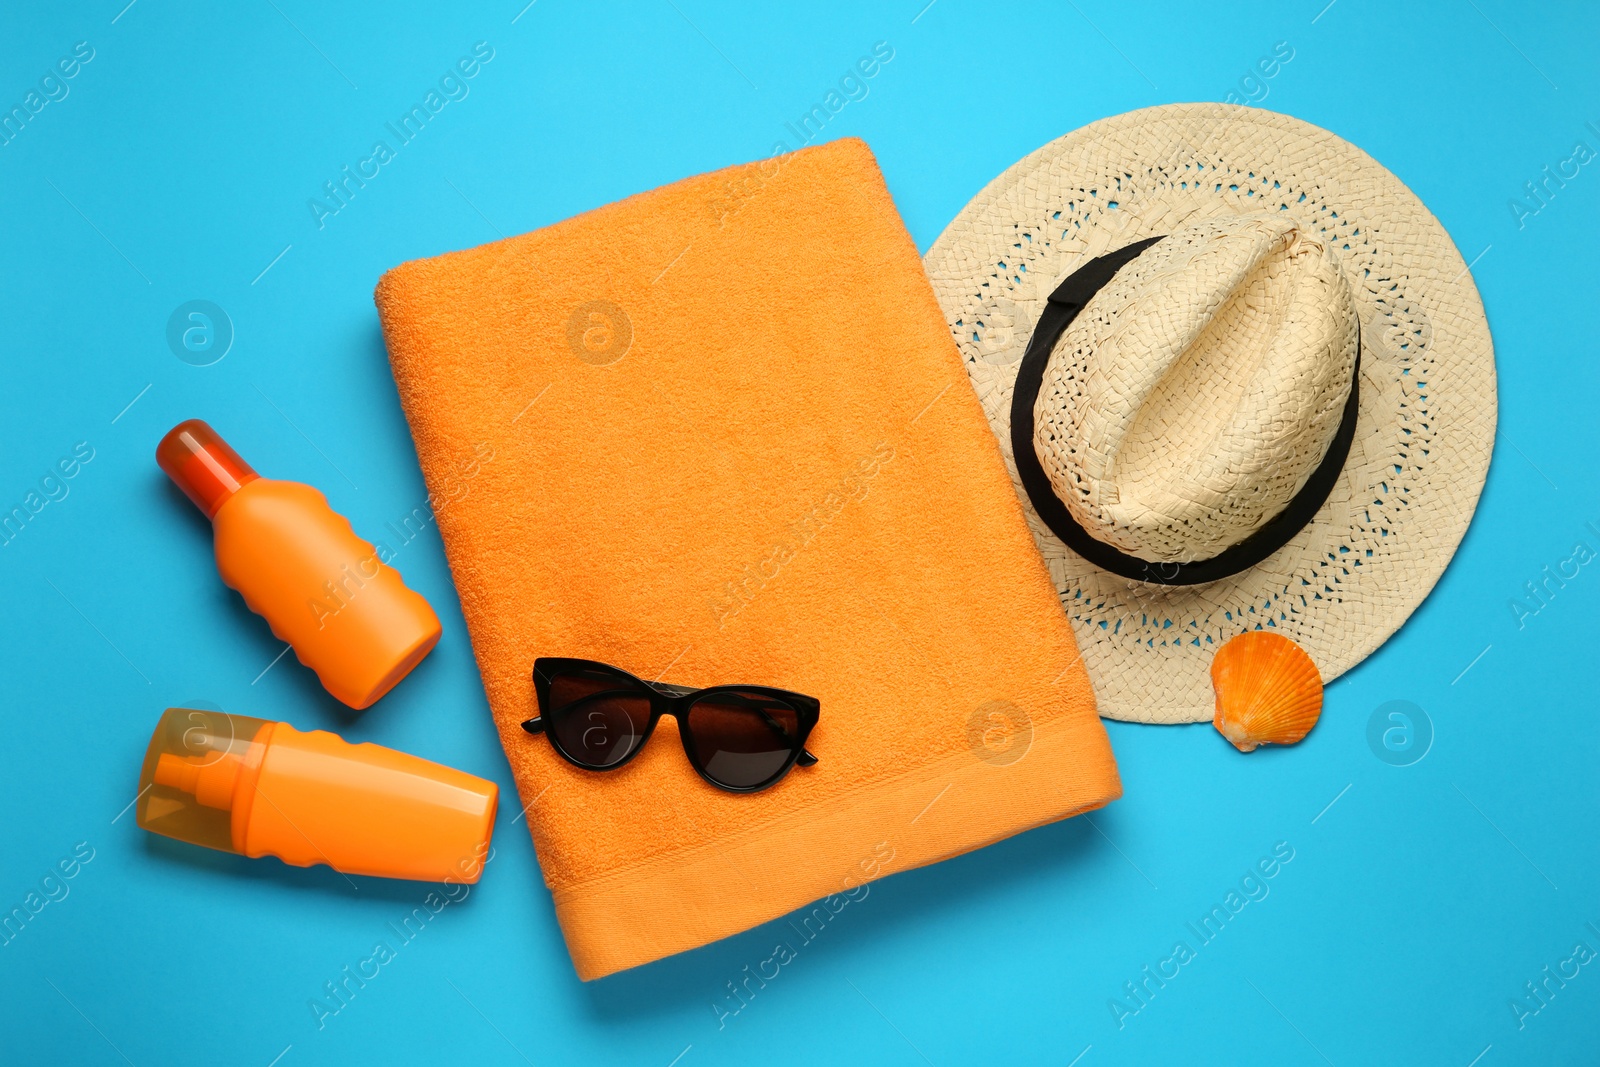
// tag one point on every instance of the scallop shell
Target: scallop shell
(1268, 690)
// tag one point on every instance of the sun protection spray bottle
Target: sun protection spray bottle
(298, 564)
(259, 788)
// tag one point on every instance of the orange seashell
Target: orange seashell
(1268, 690)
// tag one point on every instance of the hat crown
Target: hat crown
(1195, 394)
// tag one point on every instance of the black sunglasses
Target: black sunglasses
(741, 738)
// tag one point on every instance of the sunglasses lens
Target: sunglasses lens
(597, 718)
(743, 739)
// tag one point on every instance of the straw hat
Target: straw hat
(1242, 380)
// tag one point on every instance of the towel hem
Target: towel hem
(961, 803)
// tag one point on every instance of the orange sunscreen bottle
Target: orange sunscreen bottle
(298, 564)
(261, 788)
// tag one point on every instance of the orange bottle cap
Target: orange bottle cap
(199, 778)
(200, 462)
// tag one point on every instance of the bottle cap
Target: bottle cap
(200, 462)
(199, 777)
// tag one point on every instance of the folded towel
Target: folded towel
(719, 433)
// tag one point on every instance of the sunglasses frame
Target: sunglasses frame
(674, 700)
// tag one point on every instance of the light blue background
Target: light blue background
(178, 167)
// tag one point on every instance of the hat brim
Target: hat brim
(1426, 428)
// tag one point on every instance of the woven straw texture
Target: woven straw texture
(1172, 364)
(1193, 397)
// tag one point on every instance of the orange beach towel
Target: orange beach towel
(719, 433)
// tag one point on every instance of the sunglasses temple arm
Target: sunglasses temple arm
(534, 725)
(806, 759)
(772, 724)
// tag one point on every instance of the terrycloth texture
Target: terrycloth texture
(756, 461)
